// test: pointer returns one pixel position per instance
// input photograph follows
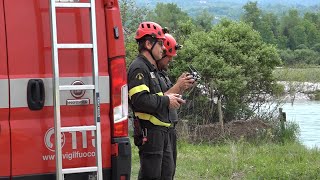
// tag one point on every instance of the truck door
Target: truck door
(4, 102)
(31, 95)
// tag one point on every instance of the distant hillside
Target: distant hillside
(232, 9)
(290, 2)
(190, 3)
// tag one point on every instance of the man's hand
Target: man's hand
(185, 81)
(175, 100)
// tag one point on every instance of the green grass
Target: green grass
(242, 161)
(310, 74)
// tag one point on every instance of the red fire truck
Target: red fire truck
(63, 91)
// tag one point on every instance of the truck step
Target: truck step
(73, 5)
(75, 46)
(78, 128)
(79, 170)
(76, 87)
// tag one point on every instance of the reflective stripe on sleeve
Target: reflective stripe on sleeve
(138, 89)
(160, 93)
(152, 119)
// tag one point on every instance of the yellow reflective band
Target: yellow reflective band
(152, 119)
(138, 89)
(160, 93)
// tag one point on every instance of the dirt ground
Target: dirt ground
(213, 132)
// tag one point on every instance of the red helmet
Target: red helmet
(171, 45)
(149, 28)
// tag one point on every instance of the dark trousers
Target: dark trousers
(173, 140)
(156, 156)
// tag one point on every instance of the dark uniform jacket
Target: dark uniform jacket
(166, 85)
(146, 97)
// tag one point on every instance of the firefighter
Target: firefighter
(184, 82)
(151, 106)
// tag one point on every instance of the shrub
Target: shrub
(317, 95)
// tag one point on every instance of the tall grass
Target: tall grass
(274, 153)
(310, 74)
(242, 160)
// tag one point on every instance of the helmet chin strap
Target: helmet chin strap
(157, 62)
(150, 52)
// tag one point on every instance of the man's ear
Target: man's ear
(148, 44)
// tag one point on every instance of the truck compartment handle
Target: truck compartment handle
(35, 94)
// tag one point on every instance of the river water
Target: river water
(307, 115)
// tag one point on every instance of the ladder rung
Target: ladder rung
(78, 128)
(74, 46)
(79, 170)
(73, 5)
(75, 87)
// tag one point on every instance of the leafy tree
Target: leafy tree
(297, 36)
(316, 47)
(312, 34)
(302, 46)
(291, 31)
(131, 15)
(268, 29)
(282, 41)
(235, 65)
(292, 28)
(252, 14)
(168, 15)
(314, 18)
(131, 49)
(306, 56)
(266, 23)
(301, 56)
(185, 29)
(204, 20)
(287, 56)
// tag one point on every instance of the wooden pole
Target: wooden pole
(282, 117)
(220, 114)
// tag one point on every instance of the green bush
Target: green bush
(317, 95)
(278, 90)
(288, 134)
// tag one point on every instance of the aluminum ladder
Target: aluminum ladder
(60, 171)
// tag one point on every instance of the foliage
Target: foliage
(317, 95)
(291, 29)
(287, 56)
(204, 20)
(234, 64)
(131, 50)
(252, 15)
(278, 90)
(306, 56)
(184, 31)
(300, 57)
(131, 15)
(289, 32)
(302, 74)
(168, 15)
(287, 135)
(316, 47)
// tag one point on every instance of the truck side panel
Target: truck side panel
(5, 162)
(29, 57)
